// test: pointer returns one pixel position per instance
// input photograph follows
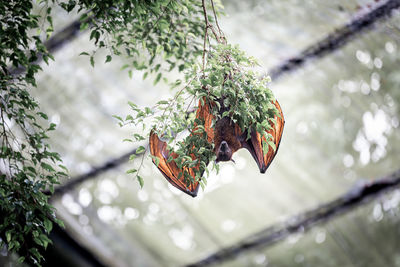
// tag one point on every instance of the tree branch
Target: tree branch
(269, 236)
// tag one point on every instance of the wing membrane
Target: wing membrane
(170, 170)
(254, 144)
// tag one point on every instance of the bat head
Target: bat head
(224, 152)
(225, 140)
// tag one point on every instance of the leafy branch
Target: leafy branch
(221, 78)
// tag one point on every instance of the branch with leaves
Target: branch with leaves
(222, 79)
(27, 164)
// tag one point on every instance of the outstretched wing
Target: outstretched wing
(254, 144)
(170, 170)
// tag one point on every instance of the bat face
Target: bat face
(224, 152)
(225, 140)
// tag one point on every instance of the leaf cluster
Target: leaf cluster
(155, 36)
(27, 165)
(240, 93)
(230, 87)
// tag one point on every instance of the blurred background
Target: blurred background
(341, 107)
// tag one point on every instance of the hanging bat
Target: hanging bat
(227, 138)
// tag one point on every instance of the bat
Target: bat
(227, 138)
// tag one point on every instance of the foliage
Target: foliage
(157, 36)
(225, 81)
(27, 164)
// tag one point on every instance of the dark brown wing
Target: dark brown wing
(254, 144)
(170, 170)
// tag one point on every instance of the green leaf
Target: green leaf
(156, 160)
(203, 187)
(92, 34)
(272, 144)
(48, 225)
(140, 150)
(141, 182)
(118, 118)
(63, 167)
(131, 171)
(8, 236)
(52, 127)
(92, 61)
(108, 58)
(133, 105)
(157, 78)
(138, 137)
(265, 148)
(44, 116)
(162, 102)
(47, 167)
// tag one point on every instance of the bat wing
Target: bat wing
(170, 170)
(254, 144)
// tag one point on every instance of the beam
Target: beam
(356, 196)
(56, 42)
(338, 38)
(93, 173)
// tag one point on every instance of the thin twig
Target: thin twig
(216, 21)
(205, 35)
